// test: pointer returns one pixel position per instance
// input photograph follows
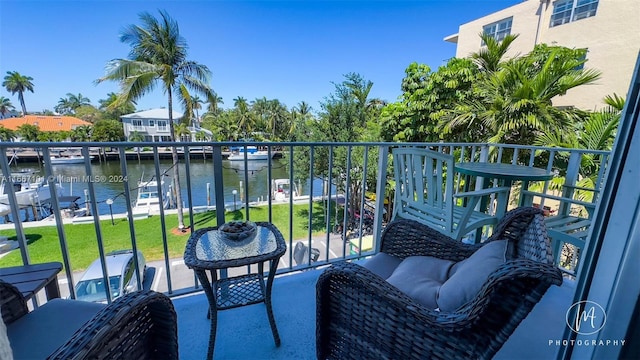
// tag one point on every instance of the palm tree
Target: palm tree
(28, 132)
(514, 103)
(7, 134)
(159, 55)
(5, 106)
(136, 137)
(244, 118)
(63, 107)
(213, 101)
(81, 133)
(110, 105)
(75, 101)
(16, 83)
(196, 102)
(598, 132)
(489, 58)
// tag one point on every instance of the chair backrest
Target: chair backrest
(424, 186)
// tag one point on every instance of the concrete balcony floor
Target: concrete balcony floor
(244, 333)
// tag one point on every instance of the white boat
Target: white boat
(61, 159)
(27, 194)
(282, 190)
(148, 200)
(252, 152)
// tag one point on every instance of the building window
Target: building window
(162, 125)
(572, 10)
(137, 125)
(152, 123)
(582, 58)
(498, 30)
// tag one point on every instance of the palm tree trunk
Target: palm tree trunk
(174, 162)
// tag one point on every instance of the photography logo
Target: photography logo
(586, 317)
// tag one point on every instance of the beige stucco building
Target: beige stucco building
(609, 29)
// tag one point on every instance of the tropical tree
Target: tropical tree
(490, 57)
(5, 106)
(7, 134)
(244, 116)
(71, 102)
(159, 56)
(515, 103)
(598, 132)
(113, 110)
(136, 137)
(107, 130)
(81, 133)
(16, 83)
(426, 96)
(63, 107)
(28, 132)
(196, 103)
(182, 132)
(214, 101)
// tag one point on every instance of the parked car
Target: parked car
(122, 277)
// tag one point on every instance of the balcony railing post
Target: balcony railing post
(127, 197)
(381, 185)
(96, 221)
(218, 184)
(55, 208)
(15, 210)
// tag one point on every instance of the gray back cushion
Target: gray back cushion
(420, 278)
(467, 276)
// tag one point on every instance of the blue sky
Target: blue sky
(292, 51)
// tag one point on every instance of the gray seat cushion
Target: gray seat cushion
(42, 331)
(467, 276)
(382, 264)
(420, 277)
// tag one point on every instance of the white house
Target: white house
(153, 125)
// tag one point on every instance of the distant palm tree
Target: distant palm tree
(213, 101)
(159, 55)
(245, 120)
(136, 137)
(196, 103)
(28, 132)
(75, 101)
(5, 106)
(7, 134)
(81, 133)
(63, 107)
(16, 83)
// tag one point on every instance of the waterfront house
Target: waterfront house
(153, 125)
(45, 123)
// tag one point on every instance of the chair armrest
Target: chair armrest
(138, 325)
(531, 194)
(404, 237)
(12, 303)
(483, 192)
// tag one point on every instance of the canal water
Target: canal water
(107, 180)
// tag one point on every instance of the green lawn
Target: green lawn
(44, 245)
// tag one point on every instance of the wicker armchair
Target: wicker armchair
(361, 316)
(139, 325)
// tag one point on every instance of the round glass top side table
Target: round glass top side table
(207, 250)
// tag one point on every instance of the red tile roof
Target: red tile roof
(45, 123)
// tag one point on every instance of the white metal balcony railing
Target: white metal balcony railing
(346, 175)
